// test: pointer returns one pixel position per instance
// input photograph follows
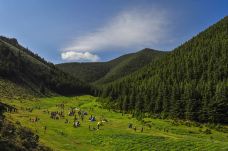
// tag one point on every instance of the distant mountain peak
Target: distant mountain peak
(148, 50)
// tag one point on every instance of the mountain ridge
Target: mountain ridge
(100, 73)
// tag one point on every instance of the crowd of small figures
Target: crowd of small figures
(77, 113)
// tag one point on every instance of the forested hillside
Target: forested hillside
(189, 83)
(130, 64)
(88, 72)
(28, 71)
(104, 72)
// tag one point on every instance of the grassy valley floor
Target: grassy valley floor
(113, 135)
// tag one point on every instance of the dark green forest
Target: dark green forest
(88, 72)
(189, 83)
(23, 67)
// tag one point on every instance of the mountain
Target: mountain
(189, 83)
(24, 73)
(105, 72)
(130, 63)
(88, 72)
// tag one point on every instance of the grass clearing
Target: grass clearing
(114, 134)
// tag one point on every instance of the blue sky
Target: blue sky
(100, 30)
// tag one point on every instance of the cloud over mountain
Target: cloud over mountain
(79, 56)
(134, 28)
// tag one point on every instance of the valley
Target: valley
(138, 83)
(114, 134)
(101, 73)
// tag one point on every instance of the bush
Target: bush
(8, 130)
(17, 138)
(29, 140)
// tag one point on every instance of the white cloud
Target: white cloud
(131, 29)
(79, 56)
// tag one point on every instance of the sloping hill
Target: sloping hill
(28, 71)
(104, 72)
(9, 89)
(189, 83)
(88, 72)
(130, 64)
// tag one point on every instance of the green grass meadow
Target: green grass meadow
(114, 134)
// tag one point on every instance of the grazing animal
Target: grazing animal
(76, 124)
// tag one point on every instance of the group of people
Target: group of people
(81, 115)
(56, 115)
(77, 113)
(130, 125)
